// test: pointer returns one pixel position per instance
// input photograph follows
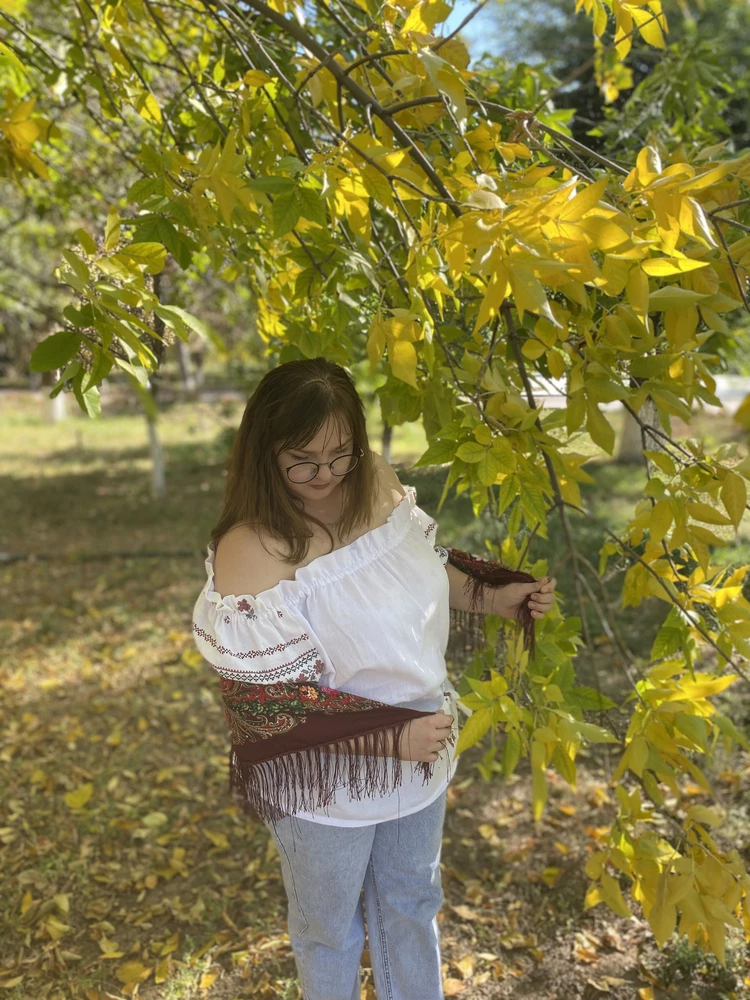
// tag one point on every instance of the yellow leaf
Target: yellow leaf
(705, 512)
(603, 233)
(638, 755)
(673, 297)
(584, 201)
(538, 778)
(147, 107)
(706, 180)
(132, 972)
(485, 200)
(613, 897)
(556, 364)
(465, 966)
(662, 916)
(217, 838)
(697, 532)
(207, 980)
(533, 349)
(599, 428)
(473, 729)
(255, 78)
(452, 987)
(705, 815)
(734, 496)
(161, 975)
(528, 294)
(649, 27)
(403, 359)
(171, 944)
(660, 520)
(376, 341)
(594, 896)
(662, 266)
(551, 875)
(636, 289)
(78, 798)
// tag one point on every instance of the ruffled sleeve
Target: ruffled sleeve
(429, 526)
(265, 646)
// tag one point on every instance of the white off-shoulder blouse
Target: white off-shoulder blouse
(370, 618)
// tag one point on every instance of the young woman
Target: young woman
(323, 578)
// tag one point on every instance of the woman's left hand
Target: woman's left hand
(538, 595)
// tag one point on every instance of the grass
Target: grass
(100, 686)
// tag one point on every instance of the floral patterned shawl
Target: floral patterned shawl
(293, 743)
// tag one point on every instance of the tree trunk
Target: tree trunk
(629, 449)
(637, 437)
(186, 367)
(386, 440)
(158, 473)
(54, 410)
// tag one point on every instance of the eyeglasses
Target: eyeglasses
(303, 472)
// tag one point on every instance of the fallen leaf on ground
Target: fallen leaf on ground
(452, 987)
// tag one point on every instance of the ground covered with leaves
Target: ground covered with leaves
(126, 869)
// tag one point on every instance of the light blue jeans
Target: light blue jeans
(325, 869)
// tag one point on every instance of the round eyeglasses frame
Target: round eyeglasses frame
(319, 464)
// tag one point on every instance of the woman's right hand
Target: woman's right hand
(423, 738)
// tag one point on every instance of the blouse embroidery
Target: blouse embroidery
(246, 608)
(250, 653)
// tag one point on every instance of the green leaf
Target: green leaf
(595, 734)
(511, 752)
(101, 366)
(599, 428)
(473, 729)
(734, 496)
(173, 316)
(152, 255)
(312, 206)
(673, 297)
(588, 699)
(86, 241)
(471, 451)
(728, 728)
(89, 401)
(55, 351)
(438, 453)
(652, 365)
(68, 373)
(272, 185)
(286, 213)
(670, 637)
(489, 467)
(157, 229)
(112, 229)
(532, 502)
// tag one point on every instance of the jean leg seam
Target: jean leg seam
(301, 970)
(381, 935)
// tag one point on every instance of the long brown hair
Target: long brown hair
(289, 406)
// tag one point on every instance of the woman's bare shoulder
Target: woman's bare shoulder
(243, 564)
(387, 478)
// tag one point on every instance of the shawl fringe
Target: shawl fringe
(485, 573)
(305, 780)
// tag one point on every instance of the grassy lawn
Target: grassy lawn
(123, 859)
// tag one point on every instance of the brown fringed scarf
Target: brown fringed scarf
(294, 743)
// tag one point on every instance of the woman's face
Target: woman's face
(331, 441)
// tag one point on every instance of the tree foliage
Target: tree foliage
(381, 199)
